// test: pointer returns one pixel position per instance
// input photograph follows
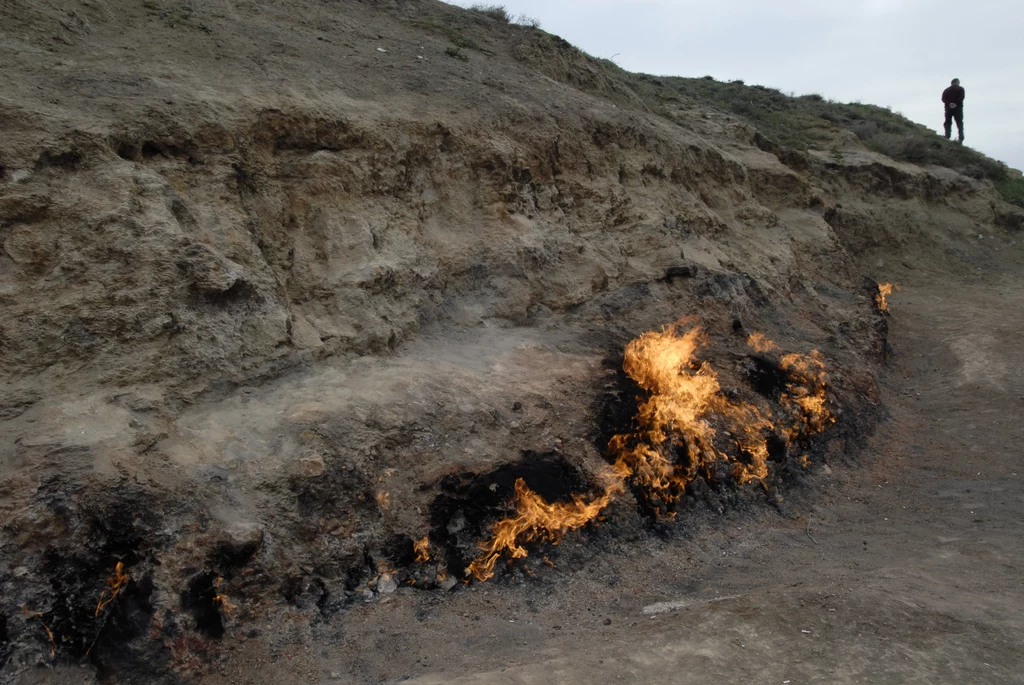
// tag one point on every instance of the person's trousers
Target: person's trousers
(955, 114)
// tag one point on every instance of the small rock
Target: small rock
(381, 50)
(312, 465)
(607, 621)
(387, 584)
(456, 523)
(241, 540)
(447, 584)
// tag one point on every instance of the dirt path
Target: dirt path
(907, 572)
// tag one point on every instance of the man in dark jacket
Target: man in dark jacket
(953, 99)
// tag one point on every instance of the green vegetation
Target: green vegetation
(461, 41)
(788, 124)
(456, 53)
(814, 122)
(1012, 190)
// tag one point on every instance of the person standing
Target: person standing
(953, 99)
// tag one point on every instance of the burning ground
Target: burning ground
(158, 592)
(674, 440)
(283, 337)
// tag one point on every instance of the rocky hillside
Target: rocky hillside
(284, 284)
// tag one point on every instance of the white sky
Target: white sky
(896, 53)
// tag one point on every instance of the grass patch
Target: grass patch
(813, 122)
(1012, 190)
(456, 53)
(453, 32)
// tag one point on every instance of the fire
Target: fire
(759, 343)
(383, 500)
(805, 395)
(686, 425)
(684, 397)
(422, 549)
(49, 633)
(535, 520)
(117, 582)
(884, 291)
(220, 598)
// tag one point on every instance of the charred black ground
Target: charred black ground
(469, 503)
(765, 376)
(615, 404)
(79, 572)
(5, 641)
(200, 600)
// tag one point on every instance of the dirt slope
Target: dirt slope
(273, 274)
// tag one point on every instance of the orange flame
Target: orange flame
(383, 500)
(25, 611)
(117, 582)
(422, 549)
(535, 520)
(220, 598)
(884, 291)
(683, 398)
(759, 343)
(805, 396)
(679, 416)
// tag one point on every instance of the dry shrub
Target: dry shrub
(496, 12)
(526, 20)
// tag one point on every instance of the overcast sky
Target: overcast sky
(896, 53)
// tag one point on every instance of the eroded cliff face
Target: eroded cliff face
(276, 277)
